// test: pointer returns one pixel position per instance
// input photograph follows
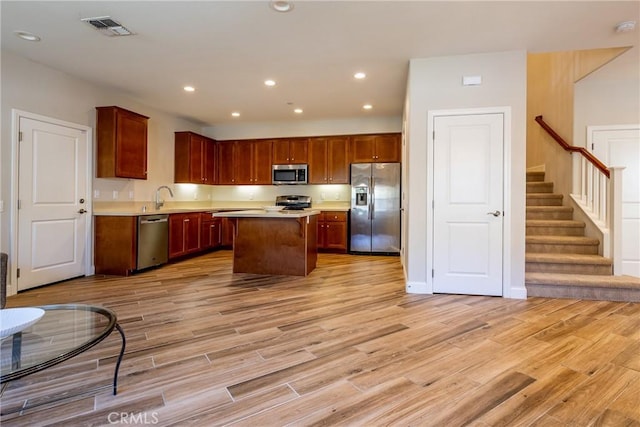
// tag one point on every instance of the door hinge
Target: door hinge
(433, 204)
(593, 147)
(20, 136)
(434, 135)
(19, 204)
(18, 274)
(433, 273)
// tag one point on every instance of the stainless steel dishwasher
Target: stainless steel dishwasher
(153, 240)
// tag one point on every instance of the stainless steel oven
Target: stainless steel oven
(289, 174)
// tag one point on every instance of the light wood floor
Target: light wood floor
(344, 346)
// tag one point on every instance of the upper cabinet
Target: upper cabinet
(329, 160)
(195, 159)
(245, 162)
(122, 143)
(290, 151)
(375, 148)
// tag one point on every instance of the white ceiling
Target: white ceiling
(226, 49)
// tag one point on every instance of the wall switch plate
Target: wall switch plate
(1, 205)
(131, 195)
(115, 194)
(96, 194)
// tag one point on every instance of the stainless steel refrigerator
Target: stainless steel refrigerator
(375, 208)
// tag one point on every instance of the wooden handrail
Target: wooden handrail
(586, 154)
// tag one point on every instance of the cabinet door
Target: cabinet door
(336, 235)
(226, 166)
(115, 244)
(298, 150)
(387, 148)
(227, 231)
(243, 158)
(215, 229)
(262, 162)
(209, 162)
(192, 232)
(176, 235)
(131, 146)
(338, 160)
(317, 150)
(281, 152)
(363, 149)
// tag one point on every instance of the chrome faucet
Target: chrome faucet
(159, 202)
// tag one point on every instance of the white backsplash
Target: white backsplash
(268, 193)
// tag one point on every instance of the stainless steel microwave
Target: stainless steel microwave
(289, 174)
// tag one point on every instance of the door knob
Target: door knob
(495, 213)
(81, 211)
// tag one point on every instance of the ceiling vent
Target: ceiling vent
(107, 26)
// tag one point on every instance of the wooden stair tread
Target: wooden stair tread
(553, 258)
(582, 280)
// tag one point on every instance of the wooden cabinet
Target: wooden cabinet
(329, 160)
(245, 162)
(290, 151)
(376, 148)
(211, 231)
(121, 143)
(195, 159)
(184, 234)
(228, 229)
(332, 231)
(116, 243)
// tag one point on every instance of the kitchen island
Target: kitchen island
(274, 243)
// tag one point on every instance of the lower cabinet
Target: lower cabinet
(184, 234)
(332, 231)
(227, 232)
(116, 243)
(211, 233)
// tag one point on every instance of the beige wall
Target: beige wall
(550, 93)
(436, 84)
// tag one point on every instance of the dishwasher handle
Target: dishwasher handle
(153, 220)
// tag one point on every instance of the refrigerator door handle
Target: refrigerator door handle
(373, 198)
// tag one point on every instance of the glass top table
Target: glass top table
(64, 331)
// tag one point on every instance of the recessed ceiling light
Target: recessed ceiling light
(25, 35)
(281, 6)
(235, 114)
(360, 75)
(367, 106)
(189, 89)
(625, 27)
(270, 82)
(298, 111)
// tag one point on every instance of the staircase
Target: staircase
(560, 261)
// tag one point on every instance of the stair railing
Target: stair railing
(600, 196)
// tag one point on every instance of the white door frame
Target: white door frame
(16, 115)
(506, 235)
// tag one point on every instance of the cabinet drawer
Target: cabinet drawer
(335, 216)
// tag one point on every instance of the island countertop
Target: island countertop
(261, 213)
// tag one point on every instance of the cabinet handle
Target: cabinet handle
(186, 220)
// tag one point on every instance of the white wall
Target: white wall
(608, 96)
(436, 84)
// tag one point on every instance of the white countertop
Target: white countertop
(261, 213)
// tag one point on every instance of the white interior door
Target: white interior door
(52, 195)
(468, 204)
(621, 147)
